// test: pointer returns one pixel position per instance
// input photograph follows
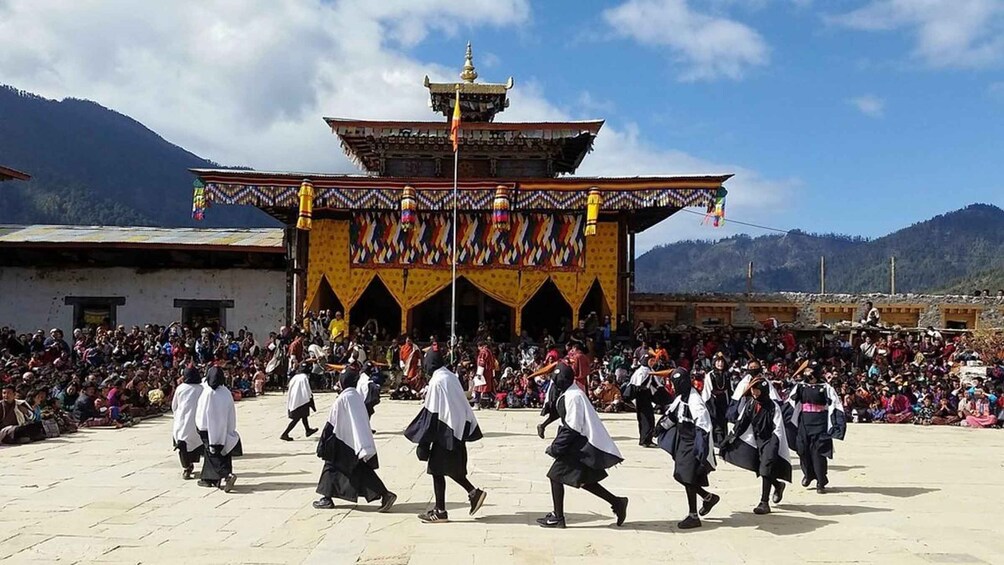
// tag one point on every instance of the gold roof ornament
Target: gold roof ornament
(468, 74)
(480, 101)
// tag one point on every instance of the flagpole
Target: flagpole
(453, 277)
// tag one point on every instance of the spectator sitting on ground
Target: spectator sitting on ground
(16, 420)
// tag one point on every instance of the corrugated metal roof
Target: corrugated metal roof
(261, 239)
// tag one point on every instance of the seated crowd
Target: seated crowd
(112, 377)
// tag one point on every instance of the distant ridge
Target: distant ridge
(955, 252)
(91, 165)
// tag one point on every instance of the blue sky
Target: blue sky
(849, 116)
(871, 136)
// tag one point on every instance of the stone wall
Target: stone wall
(35, 298)
(809, 310)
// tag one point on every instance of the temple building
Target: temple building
(378, 245)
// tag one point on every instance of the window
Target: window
(94, 311)
(203, 313)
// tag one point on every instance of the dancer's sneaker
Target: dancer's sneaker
(188, 474)
(806, 481)
(311, 432)
(323, 503)
(551, 521)
(477, 498)
(689, 523)
(710, 503)
(387, 502)
(434, 516)
(762, 508)
(620, 510)
(228, 483)
(778, 493)
(285, 437)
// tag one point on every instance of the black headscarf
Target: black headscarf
(562, 377)
(214, 377)
(193, 376)
(681, 383)
(764, 387)
(348, 378)
(433, 360)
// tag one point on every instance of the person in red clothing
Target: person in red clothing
(580, 362)
(484, 375)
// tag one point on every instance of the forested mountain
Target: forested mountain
(959, 251)
(91, 165)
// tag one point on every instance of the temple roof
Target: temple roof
(479, 102)
(7, 173)
(369, 142)
(257, 240)
(646, 200)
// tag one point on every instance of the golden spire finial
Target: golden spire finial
(468, 74)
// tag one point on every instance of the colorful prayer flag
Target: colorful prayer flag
(455, 124)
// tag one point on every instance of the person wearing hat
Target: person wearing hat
(349, 451)
(686, 436)
(442, 430)
(299, 402)
(758, 443)
(582, 450)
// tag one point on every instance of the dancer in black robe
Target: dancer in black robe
(582, 450)
(721, 391)
(818, 416)
(349, 452)
(299, 402)
(686, 436)
(216, 421)
(758, 443)
(442, 429)
(646, 389)
(184, 432)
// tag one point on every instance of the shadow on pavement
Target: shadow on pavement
(415, 508)
(895, 492)
(830, 509)
(248, 488)
(530, 518)
(271, 455)
(777, 524)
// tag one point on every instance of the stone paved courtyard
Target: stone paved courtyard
(900, 494)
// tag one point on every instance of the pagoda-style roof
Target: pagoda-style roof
(371, 143)
(645, 200)
(479, 102)
(6, 173)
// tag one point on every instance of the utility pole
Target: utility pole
(822, 274)
(892, 275)
(749, 278)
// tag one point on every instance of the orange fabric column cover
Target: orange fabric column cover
(601, 261)
(530, 282)
(500, 284)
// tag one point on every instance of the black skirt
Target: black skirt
(361, 481)
(681, 442)
(302, 411)
(813, 435)
(189, 457)
(448, 462)
(574, 474)
(216, 467)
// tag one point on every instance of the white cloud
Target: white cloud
(247, 83)
(705, 46)
(948, 33)
(869, 105)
